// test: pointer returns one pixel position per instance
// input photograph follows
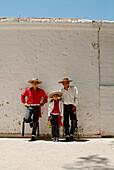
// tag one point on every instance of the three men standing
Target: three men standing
(34, 97)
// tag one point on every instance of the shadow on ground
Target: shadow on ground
(93, 162)
(60, 140)
(76, 140)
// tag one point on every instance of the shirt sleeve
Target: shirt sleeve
(50, 107)
(23, 95)
(61, 109)
(75, 96)
(62, 98)
(45, 97)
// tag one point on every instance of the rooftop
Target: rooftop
(51, 20)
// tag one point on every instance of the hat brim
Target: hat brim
(55, 93)
(38, 81)
(64, 81)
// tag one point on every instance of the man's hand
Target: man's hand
(26, 105)
(41, 105)
(74, 108)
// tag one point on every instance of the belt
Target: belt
(54, 113)
(33, 104)
(68, 104)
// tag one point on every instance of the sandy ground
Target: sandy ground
(83, 154)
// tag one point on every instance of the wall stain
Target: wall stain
(6, 115)
(95, 45)
(7, 102)
(19, 122)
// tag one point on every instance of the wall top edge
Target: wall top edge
(52, 20)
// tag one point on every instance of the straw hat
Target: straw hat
(65, 79)
(35, 80)
(55, 93)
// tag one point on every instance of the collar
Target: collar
(36, 88)
(68, 88)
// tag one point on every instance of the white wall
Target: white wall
(52, 51)
(107, 80)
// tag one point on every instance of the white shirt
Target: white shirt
(70, 96)
(51, 106)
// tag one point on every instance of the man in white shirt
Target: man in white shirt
(69, 98)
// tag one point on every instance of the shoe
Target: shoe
(67, 139)
(54, 140)
(72, 138)
(57, 140)
(31, 124)
(33, 138)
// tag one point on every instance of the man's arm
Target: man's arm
(23, 95)
(45, 98)
(75, 98)
(50, 108)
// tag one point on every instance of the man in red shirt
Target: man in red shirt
(36, 98)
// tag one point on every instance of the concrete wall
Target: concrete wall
(51, 51)
(107, 80)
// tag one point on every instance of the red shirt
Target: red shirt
(56, 107)
(34, 96)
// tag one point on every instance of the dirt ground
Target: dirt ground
(81, 154)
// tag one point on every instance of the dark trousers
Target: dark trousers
(54, 126)
(32, 110)
(68, 113)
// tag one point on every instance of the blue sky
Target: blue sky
(83, 9)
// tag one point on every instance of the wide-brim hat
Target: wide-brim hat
(55, 93)
(35, 80)
(64, 80)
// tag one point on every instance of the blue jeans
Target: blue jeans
(32, 110)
